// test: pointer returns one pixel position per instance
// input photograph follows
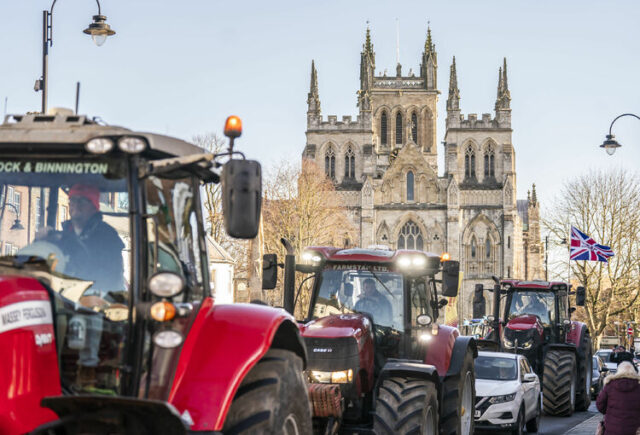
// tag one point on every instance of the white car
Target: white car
(605, 354)
(507, 393)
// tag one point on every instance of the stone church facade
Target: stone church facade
(384, 162)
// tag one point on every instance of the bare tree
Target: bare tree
(302, 205)
(606, 206)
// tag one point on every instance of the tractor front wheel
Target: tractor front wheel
(459, 400)
(559, 382)
(585, 364)
(406, 406)
(272, 398)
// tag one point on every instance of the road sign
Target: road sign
(630, 330)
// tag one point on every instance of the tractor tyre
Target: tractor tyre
(559, 383)
(585, 365)
(459, 400)
(272, 398)
(406, 406)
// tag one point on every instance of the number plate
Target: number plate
(478, 414)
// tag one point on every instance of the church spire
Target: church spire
(313, 98)
(534, 195)
(367, 67)
(429, 65)
(453, 102)
(503, 100)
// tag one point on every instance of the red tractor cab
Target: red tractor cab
(378, 359)
(536, 322)
(107, 318)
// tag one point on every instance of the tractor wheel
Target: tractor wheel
(272, 398)
(585, 364)
(406, 406)
(459, 400)
(559, 382)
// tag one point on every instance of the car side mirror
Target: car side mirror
(450, 278)
(269, 271)
(242, 197)
(581, 296)
(604, 369)
(348, 289)
(529, 377)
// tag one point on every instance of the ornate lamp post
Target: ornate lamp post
(98, 29)
(611, 144)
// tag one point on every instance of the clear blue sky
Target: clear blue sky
(181, 67)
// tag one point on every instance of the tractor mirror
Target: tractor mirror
(450, 278)
(348, 289)
(581, 296)
(269, 271)
(242, 197)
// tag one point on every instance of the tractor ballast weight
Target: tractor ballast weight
(536, 323)
(156, 352)
(395, 372)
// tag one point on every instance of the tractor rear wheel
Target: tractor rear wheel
(272, 398)
(459, 400)
(406, 406)
(559, 382)
(585, 364)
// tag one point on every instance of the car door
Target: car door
(529, 389)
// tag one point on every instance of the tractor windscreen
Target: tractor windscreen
(66, 223)
(537, 303)
(362, 288)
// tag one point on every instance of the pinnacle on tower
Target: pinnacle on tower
(429, 64)
(367, 65)
(429, 47)
(368, 46)
(313, 98)
(534, 196)
(503, 100)
(453, 102)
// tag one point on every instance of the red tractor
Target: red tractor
(107, 318)
(377, 358)
(536, 322)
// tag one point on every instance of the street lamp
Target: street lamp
(17, 225)
(98, 29)
(611, 144)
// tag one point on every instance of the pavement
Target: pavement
(587, 427)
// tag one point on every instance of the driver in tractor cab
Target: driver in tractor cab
(373, 302)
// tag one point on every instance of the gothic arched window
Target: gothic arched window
(469, 163)
(410, 237)
(414, 127)
(409, 186)
(399, 128)
(330, 163)
(489, 165)
(487, 248)
(473, 248)
(349, 163)
(383, 128)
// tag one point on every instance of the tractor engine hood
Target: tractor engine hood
(339, 325)
(524, 322)
(524, 331)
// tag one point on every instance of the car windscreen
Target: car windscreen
(496, 368)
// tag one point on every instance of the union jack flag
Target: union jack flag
(584, 247)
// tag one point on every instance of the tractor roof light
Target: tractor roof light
(132, 144)
(445, 256)
(99, 145)
(311, 257)
(163, 311)
(233, 127)
(412, 261)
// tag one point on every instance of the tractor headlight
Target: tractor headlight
(132, 144)
(412, 261)
(507, 343)
(502, 399)
(527, 344)
(99, 145)
(340, 377)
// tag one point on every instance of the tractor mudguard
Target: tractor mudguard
(408, 369)
(223, 345)
(462, 345)
(97, 414)
(562, 346)
(440, 348)
(575, 333)
(29, 364)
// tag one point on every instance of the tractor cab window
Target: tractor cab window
(67, 223)
(563, 309)
(536, 303)
(365, 289)
(420, 294)
(172, 228)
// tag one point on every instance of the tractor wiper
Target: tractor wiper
(383, 284)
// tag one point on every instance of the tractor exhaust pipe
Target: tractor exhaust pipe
(289, 291)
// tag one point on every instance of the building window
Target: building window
(383, 128)
(399, 128)
(487, 248)
(489, 165)
(414, 127)
(410, 237)
(473, 248)
(409, 186)
(330, 163)
(508, 271)
(17, 199)
(509, 242)
(349, 163)
(8, 248)
(469, 163)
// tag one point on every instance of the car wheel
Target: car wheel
(519, 429)
(534, 423)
